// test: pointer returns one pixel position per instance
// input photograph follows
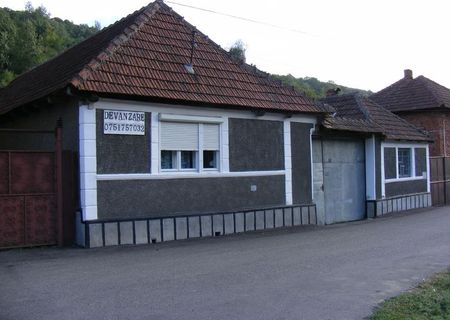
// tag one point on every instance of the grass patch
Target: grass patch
(430, 301)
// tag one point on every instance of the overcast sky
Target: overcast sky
(363, 44)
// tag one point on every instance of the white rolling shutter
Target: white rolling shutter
(179, 136)
(210, 137)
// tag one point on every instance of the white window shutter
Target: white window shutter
(211, 137)
(179, 136)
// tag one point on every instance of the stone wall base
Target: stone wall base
(381, 207)
(98, 233)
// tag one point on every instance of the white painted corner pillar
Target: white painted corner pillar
(154, 136)
(383, 182)
(225, 147)
(88, 162)
(288, 160)
(311, 132)
(370, 169)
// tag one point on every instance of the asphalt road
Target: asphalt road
(334, 272)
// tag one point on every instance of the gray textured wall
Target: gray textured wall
(421, 161)
(151, 198)
(405, 187)
(43, 118)
(390, 165)
(123, 153)
(301, 162)
(256, 145)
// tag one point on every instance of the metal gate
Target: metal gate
(27, 198)
(37, 193)
(339, 180)
(440, 180)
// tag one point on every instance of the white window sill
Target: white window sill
(405, 179)
(183, 175)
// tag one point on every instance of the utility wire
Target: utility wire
(241, 18)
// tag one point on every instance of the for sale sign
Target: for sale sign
(123, 122)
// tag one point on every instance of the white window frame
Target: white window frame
(384, 181)
(178, 162)
(200, 121)
(412, 163)
(412, 148)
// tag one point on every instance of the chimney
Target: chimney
(408, 74)
(332, 92)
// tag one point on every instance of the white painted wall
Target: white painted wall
(88, 162)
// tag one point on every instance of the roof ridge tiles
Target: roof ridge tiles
(427, 82)
(121, 61)
(409, 94)
(377, 118)
(359, 100)
(117, 41)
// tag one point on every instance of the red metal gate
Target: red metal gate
(28, 201)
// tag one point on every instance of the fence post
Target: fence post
(444, 178)
(59, 183)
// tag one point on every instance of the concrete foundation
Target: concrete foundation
(378, 208)
(153, 230)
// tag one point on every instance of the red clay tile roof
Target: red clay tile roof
(357, 113)
(143, 55)
(410, 94)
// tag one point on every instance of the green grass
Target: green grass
(429, 301)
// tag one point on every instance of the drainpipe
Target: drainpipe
(59, 184)
(444, 136)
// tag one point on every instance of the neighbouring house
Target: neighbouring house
(367, 162)
(423, 103)
(175, 138)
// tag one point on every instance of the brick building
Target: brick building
(424, 103)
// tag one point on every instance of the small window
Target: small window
(188, 159)
(210, 159)
(168, 159)
(178, 160)
(404, 162)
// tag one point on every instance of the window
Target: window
(168, 159)
(210, 146)
(210, 159)
(404, 162)
(189, 146)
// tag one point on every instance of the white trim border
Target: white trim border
(186, 175)
(288, 161)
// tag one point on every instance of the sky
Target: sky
(363, 44)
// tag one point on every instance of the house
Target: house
(174, 138)
(423, 103)
(367, 162)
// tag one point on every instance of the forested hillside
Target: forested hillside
(30, 37)
(314, 88)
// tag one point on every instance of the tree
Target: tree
(237, 51)
(30, 37)
(7, 34)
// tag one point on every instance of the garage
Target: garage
(339, 179)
